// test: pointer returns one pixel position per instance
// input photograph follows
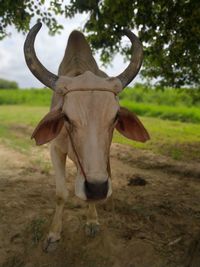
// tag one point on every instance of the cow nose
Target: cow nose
(96, 191)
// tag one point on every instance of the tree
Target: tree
(5, 84)
(20, 13)
(169, 31)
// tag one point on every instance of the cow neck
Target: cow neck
(78, 158)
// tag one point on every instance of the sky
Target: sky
(50, 51)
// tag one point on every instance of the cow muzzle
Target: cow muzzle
(96, 191)
(92, 190)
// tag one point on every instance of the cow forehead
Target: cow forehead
(91, 105)
(87, 81)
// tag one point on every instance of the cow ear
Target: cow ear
(130, 126)
(49, 127)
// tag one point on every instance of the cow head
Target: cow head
(85, 104)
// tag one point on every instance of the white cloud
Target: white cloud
(50, 50)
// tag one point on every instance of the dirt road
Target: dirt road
(151, 225)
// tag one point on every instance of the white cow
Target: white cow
(84, 113)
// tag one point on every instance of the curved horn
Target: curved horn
(136, 60)
(39, 71)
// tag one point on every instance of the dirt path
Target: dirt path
(157, 224)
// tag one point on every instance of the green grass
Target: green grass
(12, 139)
(30, 97)
(36, 228)
(17, 123)
(11, 114)
(177, 113)
(169, 104)
(168, 96)
(175, 139)
(172, 138)
(138, 94)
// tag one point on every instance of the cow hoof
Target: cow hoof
(50, 244)
(91, 229)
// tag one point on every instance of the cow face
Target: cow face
(90, 106)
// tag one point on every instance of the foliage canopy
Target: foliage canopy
(169, 31)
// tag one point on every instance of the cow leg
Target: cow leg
(92, 224)
(59, 160)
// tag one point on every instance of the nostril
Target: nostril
(96, 191)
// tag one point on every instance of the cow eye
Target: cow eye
(67, 118)
(116, 118)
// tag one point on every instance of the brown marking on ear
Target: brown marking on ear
(130, 126)
(49, 127)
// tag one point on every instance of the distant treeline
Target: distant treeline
(172, 104)
(5, 84)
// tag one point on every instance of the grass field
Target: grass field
(172, 138)
(176, 113)
(149, 103)
(31, 97)
(172, 118)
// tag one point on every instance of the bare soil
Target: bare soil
(155, 223)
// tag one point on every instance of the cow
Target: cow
(83, 115)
